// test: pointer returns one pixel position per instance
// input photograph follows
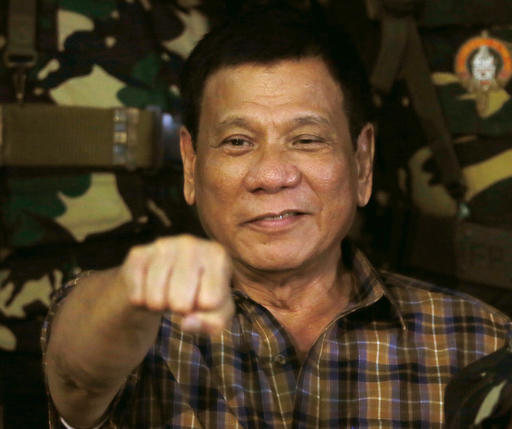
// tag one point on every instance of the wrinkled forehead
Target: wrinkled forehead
(301, 82)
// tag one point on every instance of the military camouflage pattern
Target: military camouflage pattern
(54, 223)
(57, 222)
(411, 220)
(483, 139)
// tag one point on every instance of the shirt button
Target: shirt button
(279, 359)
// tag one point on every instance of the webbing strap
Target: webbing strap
(392, 48)
(427, 106)
(20, 53)
(402, 52)
(36, 135)
(21, 27)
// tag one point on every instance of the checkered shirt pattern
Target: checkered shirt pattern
(382, 363)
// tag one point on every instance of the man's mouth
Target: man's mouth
(285, 216)
(278, 216)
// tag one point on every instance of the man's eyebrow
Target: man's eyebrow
(298, 121)
(236, 121)
(310, 120)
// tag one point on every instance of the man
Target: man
(277, 321)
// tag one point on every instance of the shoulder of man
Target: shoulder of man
(419, 296)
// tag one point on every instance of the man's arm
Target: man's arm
(106, 325)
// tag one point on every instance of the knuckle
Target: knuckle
(161, 245)
(135, 299)
(187, 240)
(136, 253)
(209, 301)
(217, 249)
(180, 307)
(213, 299)
(154, 303)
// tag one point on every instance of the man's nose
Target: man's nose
(272, 171)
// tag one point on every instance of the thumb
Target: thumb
(210, 322)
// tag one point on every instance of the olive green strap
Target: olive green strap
(54, 136)
(426, 104)
(392, 47)
(402, 52)
(20, 53)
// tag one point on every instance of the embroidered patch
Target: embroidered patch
(483, 64)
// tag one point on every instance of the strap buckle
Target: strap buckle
(126, 120)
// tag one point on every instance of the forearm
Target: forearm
(97, 338)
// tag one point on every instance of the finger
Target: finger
(133, 272)
(214, 287)
(214, 307)
(186, 275)
(212, 322)
(158, 273)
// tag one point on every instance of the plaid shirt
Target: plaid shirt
(382, 363)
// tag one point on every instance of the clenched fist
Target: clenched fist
(183, 274)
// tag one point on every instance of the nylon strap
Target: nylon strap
(38, 135)
(20, 53)
(427, 106)
(21, 27)
(392, 48)
(402, 52)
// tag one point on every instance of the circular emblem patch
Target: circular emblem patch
(483, 64)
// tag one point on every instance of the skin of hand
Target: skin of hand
(106, 325)
(185, 275)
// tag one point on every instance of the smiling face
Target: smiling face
(275, 176)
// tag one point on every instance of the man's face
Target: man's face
(275, 176)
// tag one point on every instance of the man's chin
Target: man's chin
(273, 262)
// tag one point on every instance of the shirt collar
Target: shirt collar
(369, 287)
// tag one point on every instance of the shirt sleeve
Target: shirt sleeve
(55, 420)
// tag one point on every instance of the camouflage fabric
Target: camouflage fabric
(460, 39)
(478, 112)
(480, 122)
(54, 223)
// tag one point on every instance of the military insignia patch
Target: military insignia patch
(484, 65)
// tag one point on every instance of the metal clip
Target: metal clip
(124, 142)
(463, 211)
(19, 79)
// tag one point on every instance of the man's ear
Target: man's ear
(364, 160)
(188, 156)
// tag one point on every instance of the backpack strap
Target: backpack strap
(402, 53)
(20, 54)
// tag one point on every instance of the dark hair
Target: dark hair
(266, 35)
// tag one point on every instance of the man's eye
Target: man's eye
(308, 140)
(236, 142)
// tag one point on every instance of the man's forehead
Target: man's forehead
(294, 121)
(279, 67)
(307, 79)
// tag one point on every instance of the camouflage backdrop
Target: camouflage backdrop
(96, 53)
(409, 224)
(56, 222)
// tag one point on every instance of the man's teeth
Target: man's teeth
(279, 217)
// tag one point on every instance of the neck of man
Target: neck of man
(304, 301)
